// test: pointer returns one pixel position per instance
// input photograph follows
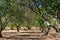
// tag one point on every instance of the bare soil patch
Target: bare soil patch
(29, 35)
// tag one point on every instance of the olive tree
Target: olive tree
(8, 8)
(46, 10)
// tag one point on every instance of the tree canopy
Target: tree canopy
(42, 13)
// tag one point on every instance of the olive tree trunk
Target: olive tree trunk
(17, 27)
(1, 33)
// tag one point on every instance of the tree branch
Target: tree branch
(6, 22)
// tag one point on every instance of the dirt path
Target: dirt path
(28, 35)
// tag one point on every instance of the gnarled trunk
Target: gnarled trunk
(29, 28)
(57, 30)
(17, 28)
(1, 33)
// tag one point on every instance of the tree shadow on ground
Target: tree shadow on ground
(24, 37)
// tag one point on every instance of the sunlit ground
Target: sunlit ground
(33, 34)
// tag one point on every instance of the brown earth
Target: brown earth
(34, 34)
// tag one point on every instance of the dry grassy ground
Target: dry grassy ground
(29, 35)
